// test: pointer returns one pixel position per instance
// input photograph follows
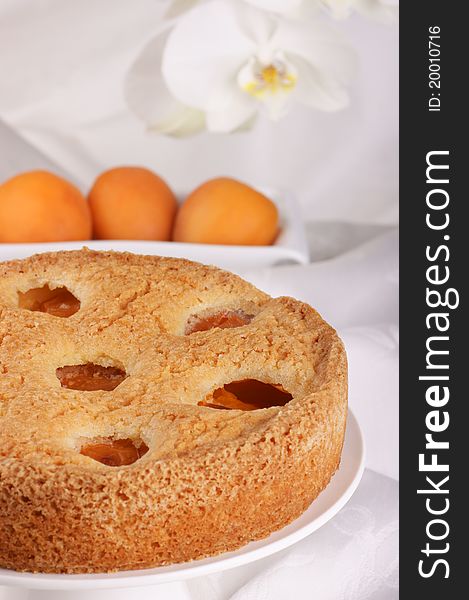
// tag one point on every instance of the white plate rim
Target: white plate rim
(351, 469)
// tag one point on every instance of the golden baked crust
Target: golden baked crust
(212, 480)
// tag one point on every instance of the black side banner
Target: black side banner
(434, 342)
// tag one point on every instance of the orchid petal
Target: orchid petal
(247, 125)
(233, 117)
(203, 54)
(321, 46)
(148, 97)
(257, 25)
(182, 122)
(276, 105)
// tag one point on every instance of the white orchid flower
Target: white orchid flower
(150, 99)
(225, 61)
(385, 11)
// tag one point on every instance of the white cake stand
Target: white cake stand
(169, 582)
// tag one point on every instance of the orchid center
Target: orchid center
(261, 80)
(270, 82)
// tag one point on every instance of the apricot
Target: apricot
(224, 319)
(226, 211)
(132, 203)
(115, 453)
(58, 302)
(38, 206)
(90, 377)
(247, 394)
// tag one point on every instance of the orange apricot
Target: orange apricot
(226, 211)
(115, 453)
(38, 206)
(224, 319)
(132, 203)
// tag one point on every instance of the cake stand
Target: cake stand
(168, 583)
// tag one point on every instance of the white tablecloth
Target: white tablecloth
(353, 557)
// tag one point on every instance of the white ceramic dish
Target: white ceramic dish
(290, 246)
(329, 502)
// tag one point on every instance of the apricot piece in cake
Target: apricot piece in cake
(58, 302)
(90, 377)
(223, 319)
(248, 394)
(115, 453)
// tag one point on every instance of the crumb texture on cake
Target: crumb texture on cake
(159, 336)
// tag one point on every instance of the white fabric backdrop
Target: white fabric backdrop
(61, 70)
(62, 65)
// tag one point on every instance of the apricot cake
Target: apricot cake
(155, 410)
